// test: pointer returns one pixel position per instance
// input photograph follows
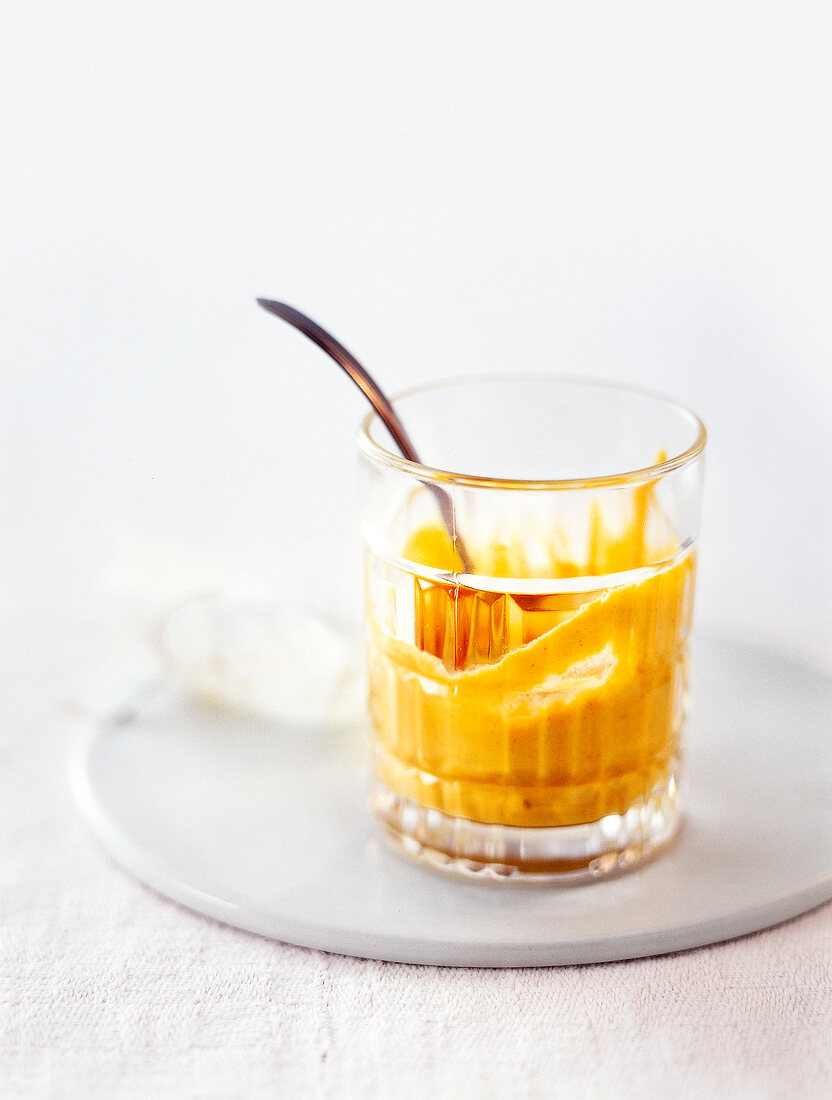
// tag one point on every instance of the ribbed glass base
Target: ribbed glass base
(504, 852)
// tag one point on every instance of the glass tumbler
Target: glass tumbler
(529, 606)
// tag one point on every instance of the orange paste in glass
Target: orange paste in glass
(535, 710)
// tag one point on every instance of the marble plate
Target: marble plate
(264, 826)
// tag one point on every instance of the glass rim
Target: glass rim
(379, 454)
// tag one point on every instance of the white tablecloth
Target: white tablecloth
(109, 990)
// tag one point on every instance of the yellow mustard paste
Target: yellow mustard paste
(536, 710)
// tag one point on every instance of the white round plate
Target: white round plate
(266, 828)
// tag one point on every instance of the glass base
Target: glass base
(616, 842)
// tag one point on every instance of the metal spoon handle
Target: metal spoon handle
(347, 361)
(369, 387)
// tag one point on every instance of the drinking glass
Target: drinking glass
(529, 604)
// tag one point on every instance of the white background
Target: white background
(639, 192)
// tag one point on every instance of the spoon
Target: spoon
(377, 398)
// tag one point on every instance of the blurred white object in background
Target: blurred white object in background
(284, 662)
